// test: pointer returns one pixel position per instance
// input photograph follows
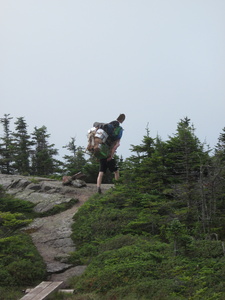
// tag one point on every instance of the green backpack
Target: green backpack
(103, 152)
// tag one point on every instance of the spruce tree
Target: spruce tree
(186, 163)
(6, 147)
(75, 162)
(148, 170)
(43, 162)
(91, 169)
(215, 185)
(22, 147)
(185, 155)
(220, 147)
(184, 152)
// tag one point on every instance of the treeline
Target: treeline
(32, 154)
(183, 169)
(158, 234)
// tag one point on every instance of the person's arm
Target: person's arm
(113, 149)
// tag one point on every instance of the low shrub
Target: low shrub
(21, 264)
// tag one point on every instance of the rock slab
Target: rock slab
(51, 235)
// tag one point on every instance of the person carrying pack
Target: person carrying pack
(115, 132)
(102, 137)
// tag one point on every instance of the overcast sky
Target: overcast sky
(66, 64)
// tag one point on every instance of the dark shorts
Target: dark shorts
(111, 165)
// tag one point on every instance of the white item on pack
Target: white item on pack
(101, 134)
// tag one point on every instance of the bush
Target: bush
(10, 204)
(21, 263)
(5, 277)
(10, 293)
(120, 239)
(121, 266)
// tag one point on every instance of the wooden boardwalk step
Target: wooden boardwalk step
(43, 290)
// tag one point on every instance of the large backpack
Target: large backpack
(97, 143)
(114, 130)
(101, 138)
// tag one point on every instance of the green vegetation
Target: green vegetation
(159, 234)
(129, 254)
(20, 263)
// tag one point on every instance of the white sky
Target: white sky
(66, 64)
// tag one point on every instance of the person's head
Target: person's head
(121, 118)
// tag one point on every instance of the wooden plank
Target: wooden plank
(66, 291)
(53, 286)
(35, 290)
(43, 290)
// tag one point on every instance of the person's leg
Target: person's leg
(117, 174)
(102, 170)
(114, 168)
(99, 181)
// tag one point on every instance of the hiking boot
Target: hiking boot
(99, 190)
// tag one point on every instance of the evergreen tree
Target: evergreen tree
(145, 149)
(91, 170)
(187, 164)
(220, 147)
(185, 155)
(43, 162)
(147, 168)
(214, 186)
(219, 159)
(184, 152)
(76, 161)
(6, 147)
(22, 147)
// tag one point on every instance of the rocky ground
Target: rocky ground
(51, 234)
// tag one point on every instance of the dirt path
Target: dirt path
(51, 235)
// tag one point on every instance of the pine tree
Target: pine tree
(214, 186)
(145, 149)
(148, 169)
(91, 170)
(22, 147)
(220, 147)
(75, 162)
(184, 153)
(6, 147)
(43, 162)
(187, 162)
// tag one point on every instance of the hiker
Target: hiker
(115, 131)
